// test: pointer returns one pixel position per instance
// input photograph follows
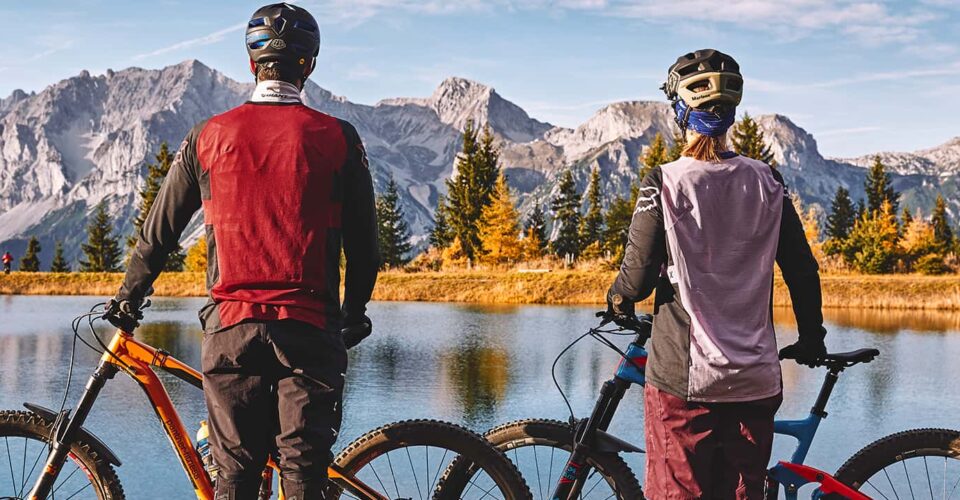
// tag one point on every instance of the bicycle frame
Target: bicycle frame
(591, 435)
(136, 358)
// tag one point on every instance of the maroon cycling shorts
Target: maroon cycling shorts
(706, 450)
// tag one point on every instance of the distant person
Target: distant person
(292, 184)
(7, 260)
(705, 234)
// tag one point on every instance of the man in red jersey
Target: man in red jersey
(279, 179)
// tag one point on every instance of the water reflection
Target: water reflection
(479, 375)
(480, 365)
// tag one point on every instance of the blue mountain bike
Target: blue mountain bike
(579, 459)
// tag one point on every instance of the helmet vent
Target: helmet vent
(278, 24)
(260, 21)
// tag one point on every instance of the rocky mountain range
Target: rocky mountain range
(86, 139)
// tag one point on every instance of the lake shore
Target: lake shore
(899, 292)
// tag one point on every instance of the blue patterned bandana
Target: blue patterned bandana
(704, 122)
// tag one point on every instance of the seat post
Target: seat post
(820, 406)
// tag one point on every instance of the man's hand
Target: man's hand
(354, 333)
(123, 314)
(805, 351)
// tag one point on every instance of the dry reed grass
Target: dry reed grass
(892, 292)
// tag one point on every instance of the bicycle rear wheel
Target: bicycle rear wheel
(24, 448)
(410, 460)
(915, 463)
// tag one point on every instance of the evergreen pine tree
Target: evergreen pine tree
(441, 236)
(469, 191)
(872, 245)
(500, 226)
(748, 141)
(656, 155)
(59, 264)
(591, 226)
(393, 230)
(941, 226)
(619, 216)
(879, 188)
(102, 249)
(905, 217)
(842, 216)
(566, 214)
(676, 148)
(156, 173)
(30, 262)
(537, 222)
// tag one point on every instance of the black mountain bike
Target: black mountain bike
(579, 459)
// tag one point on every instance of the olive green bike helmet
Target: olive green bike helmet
(705, 80)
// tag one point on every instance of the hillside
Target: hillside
(85, 140)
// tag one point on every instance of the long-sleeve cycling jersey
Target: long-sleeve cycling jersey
(283, 188)
(705, 236)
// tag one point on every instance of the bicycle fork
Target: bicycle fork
(65, 430)
(576, 471)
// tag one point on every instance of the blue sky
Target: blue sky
(861, 76)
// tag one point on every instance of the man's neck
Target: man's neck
(276, 91)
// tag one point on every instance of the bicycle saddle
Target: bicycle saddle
(853, 357)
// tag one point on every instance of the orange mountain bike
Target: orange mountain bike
(49, 454)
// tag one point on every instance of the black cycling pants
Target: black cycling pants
(273, 387)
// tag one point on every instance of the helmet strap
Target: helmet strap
(682, 119)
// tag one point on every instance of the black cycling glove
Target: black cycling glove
(806, 351)
(123, 314)
(354, 333)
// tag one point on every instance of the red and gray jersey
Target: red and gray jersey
(706, 236)
(283, 188)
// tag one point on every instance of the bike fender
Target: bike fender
(83, 435)
(608, 443)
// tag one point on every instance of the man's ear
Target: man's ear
(309, 69)
(253, 68)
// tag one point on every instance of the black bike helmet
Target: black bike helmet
(284, 34)
(705, 80)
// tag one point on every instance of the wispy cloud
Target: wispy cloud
(362, 72)
(879, 76)
(847, 131)
(211, 38)
(868, 22)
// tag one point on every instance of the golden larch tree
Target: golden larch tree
(500, 226)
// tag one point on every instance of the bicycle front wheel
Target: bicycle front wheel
(411, 459)
(540, 449)
(916, 463)
(24, 447)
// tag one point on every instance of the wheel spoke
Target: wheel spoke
(439, 466)
(927, 470)
(23, 466)
(413, 471)
(9, 460)
(536, 462)
(374, 469)
(891, 484)
(877, 490)
(23, 487)
(393, 474)
(78, 491)
(909, 483)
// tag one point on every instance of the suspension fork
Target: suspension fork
(575, 473)
(66, 430)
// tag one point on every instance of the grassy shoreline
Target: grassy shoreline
(894, 292)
